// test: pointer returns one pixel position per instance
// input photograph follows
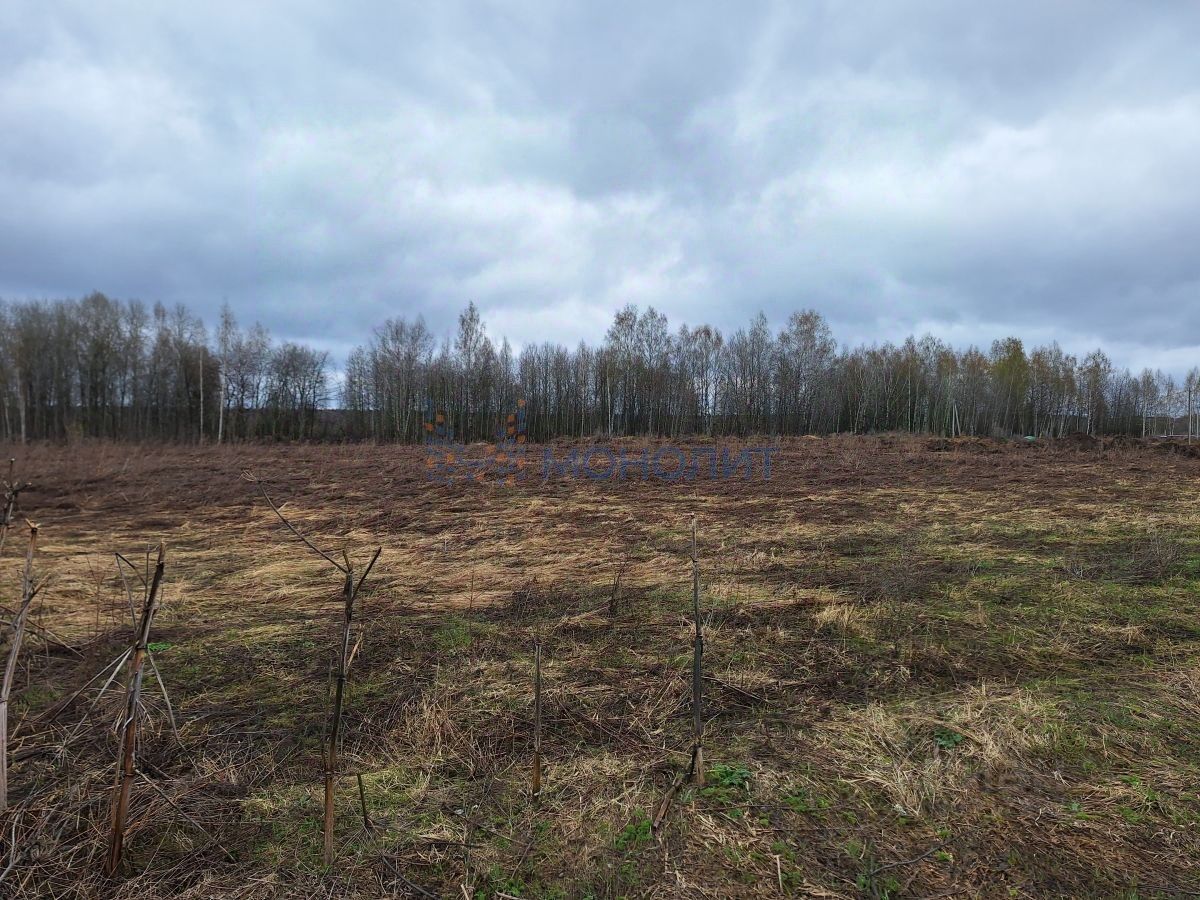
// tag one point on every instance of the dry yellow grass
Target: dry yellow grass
(928, 672)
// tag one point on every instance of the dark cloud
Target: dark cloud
(971, 171)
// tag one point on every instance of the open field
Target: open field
(932, 669)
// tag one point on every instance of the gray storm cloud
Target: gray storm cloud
(967, 171)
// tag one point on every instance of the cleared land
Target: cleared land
(934, 668)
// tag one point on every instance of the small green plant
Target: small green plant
(499, 881)
(726, 784)
(783, 851)
(883, 888)
(158, 646)
(729, 776)
(1075, 808)
(873, 885)
(946, 738)
(801, 802)
(635, 834)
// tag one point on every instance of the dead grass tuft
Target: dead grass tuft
(924, 755)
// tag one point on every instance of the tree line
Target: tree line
(98, 367)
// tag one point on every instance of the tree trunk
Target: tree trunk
(221, 407)
(21, 407)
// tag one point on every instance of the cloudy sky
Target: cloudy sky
(968, 170)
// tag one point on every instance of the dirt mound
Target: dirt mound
(1077, 441)
(1172, 446)
(965, 444)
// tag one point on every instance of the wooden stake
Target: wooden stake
(335, 721)
(350, 589)
(12, 492)
(697, 670)
(537, 720)
(614, 599)
(133, 699)
(10, 670)
(362, 800)
(349, 592)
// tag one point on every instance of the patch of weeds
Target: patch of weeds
(1148, 800)
(740, 862)
(726, 783)
(1069, 744)
(878, 888)
(388, 790)
(1130, 815)
(635, 834)
(159, 646)
(783, 851)
(868, 880)
(946, 738)
(800, 801)
(1075, 808)
(37, 696)
(452, 634)
(497, 881)
(618, 658)
(793, 881)
(669, 598)
(627, 873)
(730, 776)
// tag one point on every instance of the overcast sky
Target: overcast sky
(965, 169)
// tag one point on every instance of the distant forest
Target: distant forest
(98, 367)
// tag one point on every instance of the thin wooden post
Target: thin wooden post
(10, 670)
(614, 599)
(697, 670)
(362, 800)
(350, 590)
(335, 722)
(12, 492)
(537, 720)
(133, 699)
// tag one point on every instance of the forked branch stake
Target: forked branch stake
(350, 589)
(126, 771)
(537, 720)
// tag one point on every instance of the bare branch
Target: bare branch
(345, 569)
